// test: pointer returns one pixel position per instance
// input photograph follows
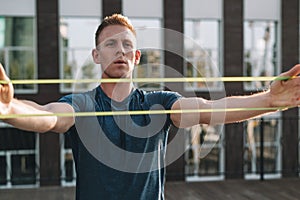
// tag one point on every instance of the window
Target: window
(17, 50)
(260, 52)
(261, 58)
(19, 152)
(205, 153)
(202, 43)
(202, 47)
(67, 163)
(151, 63)
(261, 41)
(202, 56)
(79, 21)
(19, 158)
(271, 147)
(77, 42)
(148, 24)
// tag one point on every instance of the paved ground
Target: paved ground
(282, 189)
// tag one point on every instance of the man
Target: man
(122, 157)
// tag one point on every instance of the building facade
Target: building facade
(178, 38)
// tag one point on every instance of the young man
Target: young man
(122, 157)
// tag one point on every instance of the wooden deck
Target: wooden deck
(282, 189)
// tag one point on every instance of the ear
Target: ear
(137, 57)
(96, 56)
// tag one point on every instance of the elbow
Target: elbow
(48, 125)
(62, 125)
(176, 120)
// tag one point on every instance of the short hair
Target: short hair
(115, 19)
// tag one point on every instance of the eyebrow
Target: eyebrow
(128, 38)
(115, 39)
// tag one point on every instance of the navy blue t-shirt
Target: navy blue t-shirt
(120, 156)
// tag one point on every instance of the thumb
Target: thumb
(292, 72)
(3, 75)
(6, 90)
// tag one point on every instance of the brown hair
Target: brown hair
(115, 19)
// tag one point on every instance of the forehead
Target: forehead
(116, 31)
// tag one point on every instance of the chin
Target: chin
(114, 75)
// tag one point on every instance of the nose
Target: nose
(120, 49)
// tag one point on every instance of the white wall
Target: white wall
(80, 8)
(206, 9)
(262, 9)
(143, 8)
(17, 7)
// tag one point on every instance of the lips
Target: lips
(120, 61)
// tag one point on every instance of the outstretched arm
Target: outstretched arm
(282, 93)
(10, 106)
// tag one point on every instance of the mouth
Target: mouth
(120, 61)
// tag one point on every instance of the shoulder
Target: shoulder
(78, 96)
(163, 95)
(79, 100)
(157, 93)
(165, 98)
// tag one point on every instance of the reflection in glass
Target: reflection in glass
(3, 166)
(68, 172)
(151, 63)
(17, 52)
(202, 52)
(18, 158)
(21, 67)
(150, 67)
(23, 169)
(203, 158)
(260, 52)
(253, 147)
(77, 41)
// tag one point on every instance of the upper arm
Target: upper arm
(188, 119)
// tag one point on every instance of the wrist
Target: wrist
(270, 102)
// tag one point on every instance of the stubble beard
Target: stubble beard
(122, 74)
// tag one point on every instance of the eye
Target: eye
(128, 45)
(110, 43)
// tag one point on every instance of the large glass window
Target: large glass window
(261, 59)
(203, 59)
(17, 50)
(77, 42)
(260, 52)
(79, 21)
(202, 52)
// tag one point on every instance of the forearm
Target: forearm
(28, 118)
(225, 110)
(240, 108)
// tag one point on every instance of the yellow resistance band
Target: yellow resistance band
(224, 79)
(138, 112)
(147, 80)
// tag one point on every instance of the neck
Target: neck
(117, 91)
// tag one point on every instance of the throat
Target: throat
(117, 91)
